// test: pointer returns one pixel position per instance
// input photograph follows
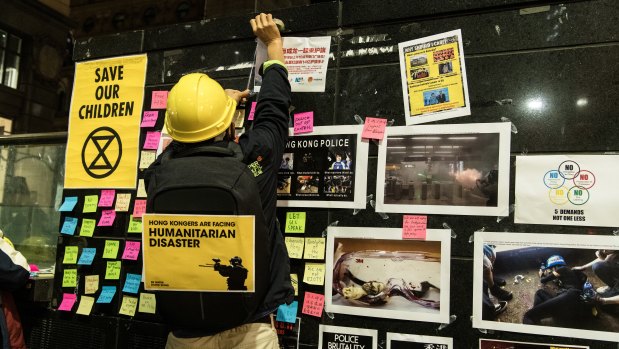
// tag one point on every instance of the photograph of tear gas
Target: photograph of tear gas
(564, 289)
(498, 344)
(386, 277)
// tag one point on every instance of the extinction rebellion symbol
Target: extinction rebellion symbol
(101, 152)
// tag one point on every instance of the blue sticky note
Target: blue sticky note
(287, 313)
(68, 204)
(132, 283)
(69, 225)
(88, 254)
(107, 294)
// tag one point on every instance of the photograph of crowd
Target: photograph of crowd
(435, 96)
(443, 55)
(419, 60)
(420, 73)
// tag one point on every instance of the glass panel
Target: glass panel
(11, 70)
(14, 44)
(3, 36)
(1, 64)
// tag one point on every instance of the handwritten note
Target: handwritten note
(88, 227)
(69, 278)
(414, 227)
(288, 313)
(252, 111)
(313, 304)
(69, 225)
(314, 248)
(111, 249)
(68, 300)
(314, 273)
(91, 285)
(122, 202)
(150, 118)
(69, 204)
(374, 128)
(90, 203)
(70, 254)
(139, 208)
(294, 280)
(88, 255)
(135, 225)
(107, 218)
(295, 247)
(132, 250)
(112, 271)
(303, 122)
(152, 140)
(85, 306)
(128, 306)
(295, 222)
(148, 303)
(107, 294)
(147, 157)
(159, 100)
(132, 283)
(107, 197)
(141, 189)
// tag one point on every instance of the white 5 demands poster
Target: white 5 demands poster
(567, 190)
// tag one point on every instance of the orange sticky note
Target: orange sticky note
(304, 122)
(313, 304)
(374, 128)
(414, 227)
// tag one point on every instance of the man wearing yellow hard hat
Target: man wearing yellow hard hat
(199, 112)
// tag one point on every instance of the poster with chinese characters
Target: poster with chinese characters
(306, 60)
(433, 75)
(567, 190)
(413, 341)
(330, 337)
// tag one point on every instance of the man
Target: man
(606, 267)
(339, 164)
(187, 121)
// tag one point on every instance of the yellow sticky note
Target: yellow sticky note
(295, 247)
(69, 278)
(148, 303)
(135, 225)
(92, 284)
(90, 203)
(85, 306)
(141, 189)
(112, 272)
(295, 222)
(294, 279)
(314, 273)
(111, 249)
(147, 158)
(88, 227)
(128, 306)
(70, 255)
(122, 202)
(314, 248)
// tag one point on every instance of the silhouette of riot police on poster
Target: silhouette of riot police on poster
(235, 272)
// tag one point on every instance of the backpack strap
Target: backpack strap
(232, 149)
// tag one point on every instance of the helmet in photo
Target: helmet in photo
(555, 261)
(489, 252)
(198, 109)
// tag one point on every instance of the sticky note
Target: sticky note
(150, 118)
(69, 225)
(141, 189)
(414, 227)
(132, 283)
(132, 250)
(69, 278)
(107, 198)
(314, 248)
(107, 218)
(148, 303)
(107, 294)
(159, 100)
(303, 122)
(111, 249)
(112, 271)
(287, 313)
(88, 227)
(295, 247)
(295, 222)
(139, 208)
(128, 306)
(313, 304)
(68, 299)
(135, 225)
(122, 202)
(85, 306)
(69, 204)
(374, 128)
(70, 254)
(294, 280)
(88, 255)
(91, 285)
(90, 203)
(147, 157)
(152, 140)
(252, 111)
(314, 273)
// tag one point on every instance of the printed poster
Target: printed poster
(198, 253)
(499, 344)
(567, 190)
(326, 168)
(374, 272)
(445, 169)
(288, 334)
(104, 123)
(337, 337)
(561, 284)
(413, 341)
(434, 78)
(306, 60)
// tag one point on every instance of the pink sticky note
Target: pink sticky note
(107, 218)
(150, 118)
(159, 100)
(139, 207)
(132, 250)
(313, 304)
(68, 299)
(252, 111)
(414, 227)
(374, 128)
(304, 122)
(107, 197)
(152, 140)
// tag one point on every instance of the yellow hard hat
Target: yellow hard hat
(198, 109)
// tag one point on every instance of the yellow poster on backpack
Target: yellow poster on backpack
(104, 123)
(198, 253)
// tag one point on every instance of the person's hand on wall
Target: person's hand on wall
(266, 30)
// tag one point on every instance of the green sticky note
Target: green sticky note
(135, 225)
(69, 278)
(90, 203)
(112, 272)
(111, 249)
(70, 255)
(295, 222)
(88, 227)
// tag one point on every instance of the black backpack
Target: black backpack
(210, 180)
